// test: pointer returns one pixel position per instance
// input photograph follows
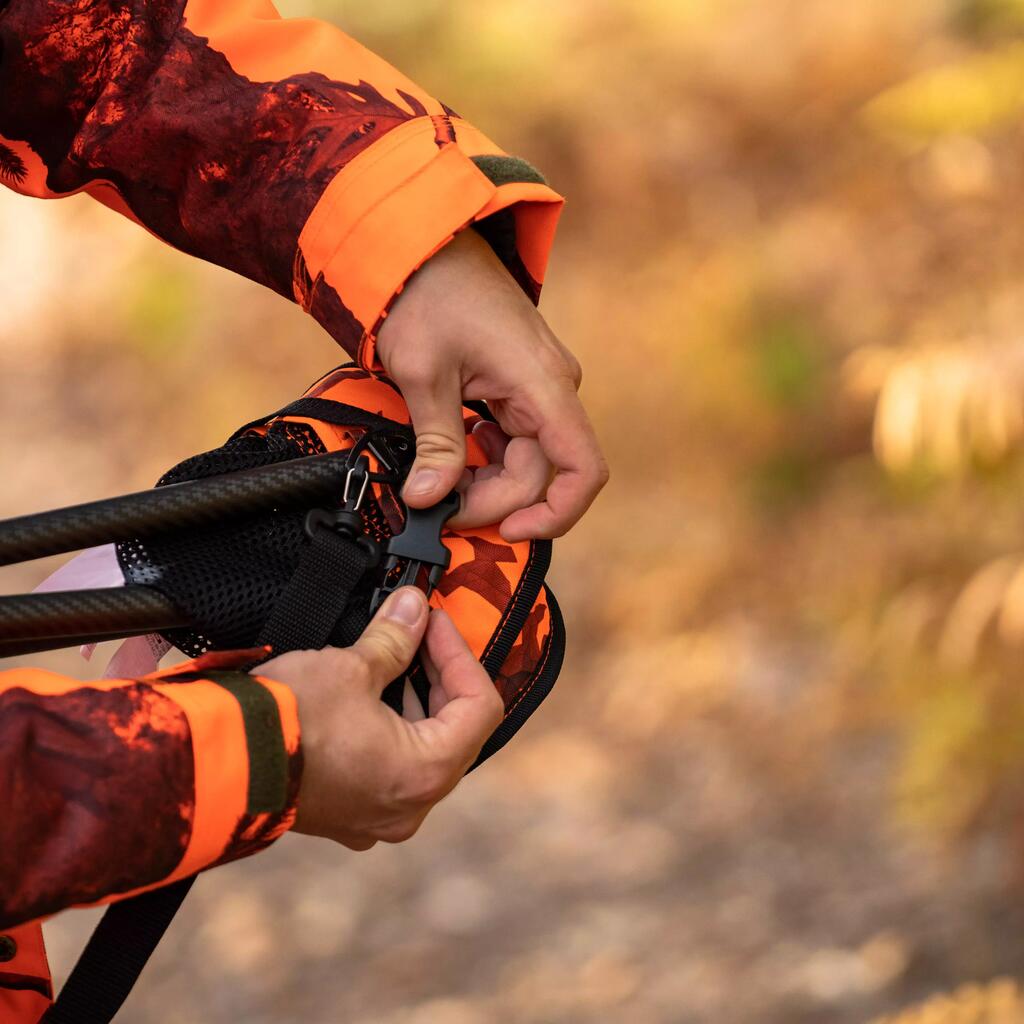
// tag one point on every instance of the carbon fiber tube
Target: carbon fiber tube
(144, 514)
(41, 622)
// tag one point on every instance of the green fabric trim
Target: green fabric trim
(499, 229)
(264, 738)
(504, 170)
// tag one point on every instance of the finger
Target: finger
(474, 709)
(390, 640)
(435, 407)
(567, 439)
(497, 491)
(412, 709)
(437, 697)
(492, 440)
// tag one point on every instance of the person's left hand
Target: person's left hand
(368, 774)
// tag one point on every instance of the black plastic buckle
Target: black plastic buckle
(419, 546)
(395, 450)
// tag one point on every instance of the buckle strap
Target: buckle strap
(309, 608)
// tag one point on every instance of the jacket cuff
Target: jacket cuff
(395, 205)
(247, 759)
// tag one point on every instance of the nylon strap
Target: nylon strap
(329, 411)
(314, 600)
(115, 955)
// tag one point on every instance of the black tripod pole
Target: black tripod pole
(41, 622)
(38, 622)
(296, 483)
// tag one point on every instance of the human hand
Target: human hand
(368, 774)
(462, 328)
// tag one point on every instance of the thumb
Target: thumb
(392, 638)
(436, 412)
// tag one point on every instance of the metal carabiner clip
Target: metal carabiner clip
(347, 521)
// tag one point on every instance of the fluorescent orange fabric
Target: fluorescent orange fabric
(25, 986)
(485, 570)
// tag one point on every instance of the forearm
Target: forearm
(116, 786)
(281, 149)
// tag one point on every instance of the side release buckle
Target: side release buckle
(419, 547)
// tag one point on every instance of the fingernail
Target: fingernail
(405, 607)
(423, 481)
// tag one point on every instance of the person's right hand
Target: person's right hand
(462, 328)
(369, 774)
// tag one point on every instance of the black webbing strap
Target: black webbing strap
(314, 600)
(115, 955)
(327, 410)
(394, 692)
(309, 612)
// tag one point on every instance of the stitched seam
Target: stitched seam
(511, 603)
(538, 672)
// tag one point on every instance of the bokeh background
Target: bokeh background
(782, 777)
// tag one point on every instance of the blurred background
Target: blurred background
(781, 779)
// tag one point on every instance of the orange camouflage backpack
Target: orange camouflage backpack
(305, 578)
(231, 554)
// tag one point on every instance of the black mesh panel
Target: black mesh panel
(230, 577)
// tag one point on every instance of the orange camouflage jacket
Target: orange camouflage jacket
(283, 150)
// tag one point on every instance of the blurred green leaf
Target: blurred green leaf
(785, 479)
(787, 362)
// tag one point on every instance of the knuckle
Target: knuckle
(385, 650)
(357, 668)
(430, 785)
(412, 371)
(436, 782)
(436, 445)
(575, 369)
(412, 365)
(495, 707)
(557, 362)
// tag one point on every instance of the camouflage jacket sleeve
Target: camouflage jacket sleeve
(281, 149)
(113, 787)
